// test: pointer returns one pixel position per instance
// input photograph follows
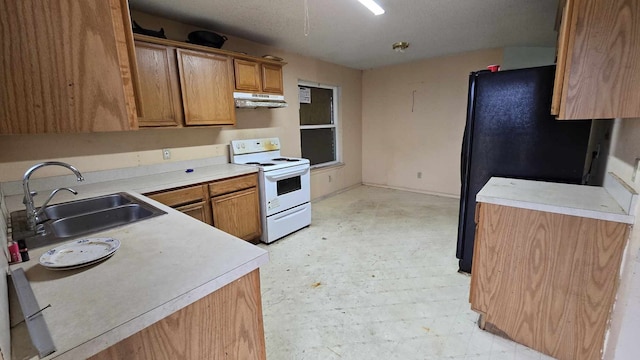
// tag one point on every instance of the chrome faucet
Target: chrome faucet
(33, 215)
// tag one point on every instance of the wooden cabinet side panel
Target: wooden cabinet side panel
(602, 76)
(549, 280)
(479, 281)
(226, 324)
(207, 86)
(562, 53)
(238, 213)
(121, 20)
(272, 79)
(490, 260)
(64, 67)
(159, 87)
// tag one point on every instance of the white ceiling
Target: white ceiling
(346, 33)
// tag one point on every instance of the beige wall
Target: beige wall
(625, 320)
(100, 151)
(413, 120)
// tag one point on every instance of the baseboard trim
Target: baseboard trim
(336, 192)
(413, 190)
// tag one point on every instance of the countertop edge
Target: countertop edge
(598, 215)
(123, 331)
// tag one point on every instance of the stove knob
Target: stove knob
(242, 146)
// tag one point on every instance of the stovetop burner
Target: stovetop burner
(253, 163)
(267, 164)
(285, 159)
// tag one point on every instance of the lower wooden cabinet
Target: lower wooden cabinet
(236, 206)
(238, 213)
(231, 205)
(226, 324)
(192, 200)
(546, 280)
(199, 211)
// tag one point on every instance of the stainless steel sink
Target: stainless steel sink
(99, 220)
(83, 217)
(84, 206)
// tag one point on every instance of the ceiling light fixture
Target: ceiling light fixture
(371, 5)
(400, 46)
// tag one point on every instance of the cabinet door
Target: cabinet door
(199, 210)
(193, 201)
(247, 74)
(601, 75)
(66, 67)
(272, 79)
(238, 214)
(159, 86)
(207, 88)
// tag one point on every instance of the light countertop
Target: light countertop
(164, 264)
(577, 200)
(139, 184)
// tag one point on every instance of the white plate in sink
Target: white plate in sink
(78, 253)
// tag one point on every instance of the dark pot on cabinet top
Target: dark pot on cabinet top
(207, 38)
(140, 30)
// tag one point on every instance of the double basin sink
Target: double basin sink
(82, 217)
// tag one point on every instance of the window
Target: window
(318, 123)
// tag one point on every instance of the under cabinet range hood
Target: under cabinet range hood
(252, 101)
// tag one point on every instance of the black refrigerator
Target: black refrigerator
(510, 133)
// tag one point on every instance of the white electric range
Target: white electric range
(284, 186)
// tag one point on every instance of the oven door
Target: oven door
(285, 188)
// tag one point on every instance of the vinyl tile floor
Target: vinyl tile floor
(375, 277)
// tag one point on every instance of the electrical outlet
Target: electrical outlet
(166, 154)
(419, 174)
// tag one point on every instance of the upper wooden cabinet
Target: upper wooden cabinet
(66, 66)
(159, 88)
(183, 87)
(272, 79)
(254, 76)
(598, 67)
(207, 88)
(247, 74)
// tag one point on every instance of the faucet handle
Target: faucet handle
(32, 194)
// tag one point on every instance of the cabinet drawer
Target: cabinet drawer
(234, 184)
(180, 196)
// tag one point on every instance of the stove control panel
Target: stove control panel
(250, 146)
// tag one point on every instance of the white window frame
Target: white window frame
(336, 122)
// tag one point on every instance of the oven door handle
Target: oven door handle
(278, 177)
(286, 216)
